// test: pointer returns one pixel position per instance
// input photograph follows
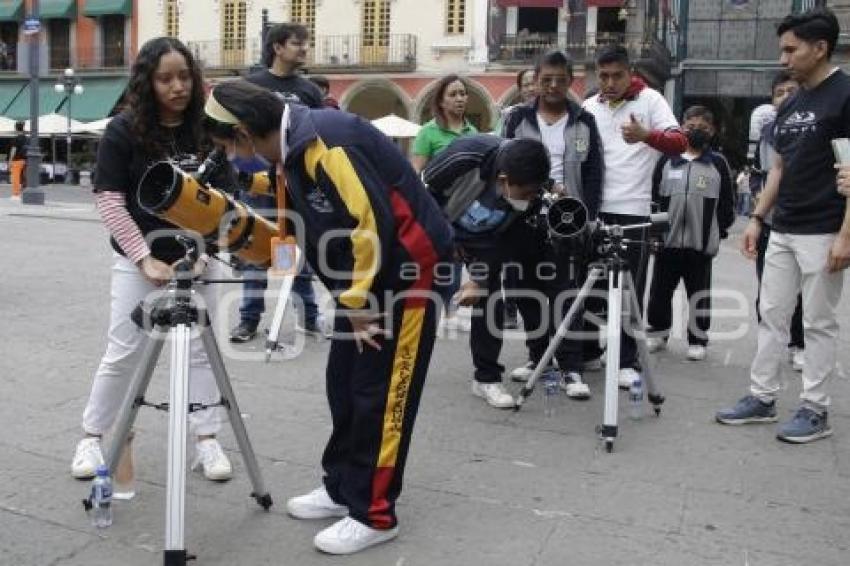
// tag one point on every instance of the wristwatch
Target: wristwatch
(757, 217)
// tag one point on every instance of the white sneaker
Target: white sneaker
(574, 387)
(523, 373)
(798, 360)
(654, 344)
(212, 460)
(87, 457)
(696, 353)
(315, 505)
(348, 536)
(494, 394)
(626, 377)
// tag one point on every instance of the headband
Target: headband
(216, 111)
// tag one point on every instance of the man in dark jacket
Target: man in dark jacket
(695, 188)
(490, 190)
(575, 154)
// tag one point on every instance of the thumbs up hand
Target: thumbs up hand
(633, 131)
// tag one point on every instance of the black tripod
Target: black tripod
(621, 288)
(171, 316)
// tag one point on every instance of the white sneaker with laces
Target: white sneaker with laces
(212, 460)
(315, 505)
(626, 377)
(494, 394)
(696, 352)
(348, 536)
(574, 387)
(87, 457)
(523, 373)
(798, 359)
(656, 344)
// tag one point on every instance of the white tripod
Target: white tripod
(171, 317)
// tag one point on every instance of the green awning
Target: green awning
(48, 101)
(57, 9)
(95, 8)
(9, 90)
(11, 10)
(100, 95)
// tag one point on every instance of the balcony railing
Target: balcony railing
(525, 49)
(395, 50)
(392, 52)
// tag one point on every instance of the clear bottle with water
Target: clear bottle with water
(551, 393)
(636, 399)
(101, 498)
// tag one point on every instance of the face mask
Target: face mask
(698, 139)
(250, 165)
(517, 204)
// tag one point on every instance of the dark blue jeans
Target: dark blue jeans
(254, 284)
(255, 281)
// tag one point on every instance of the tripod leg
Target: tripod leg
(608, 430)
(223, 381)
(175, 503)
(595, 275)
(653, 393)
(280, 310)
(152, 347)
(135, 395)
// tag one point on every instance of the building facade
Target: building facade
(96, 38)
(385, 56)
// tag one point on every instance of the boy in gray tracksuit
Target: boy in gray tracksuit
(695, 188)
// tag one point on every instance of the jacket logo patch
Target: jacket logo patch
(702, 182)
(319, 201)
(581, 145)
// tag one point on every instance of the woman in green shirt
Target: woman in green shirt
(449, 123)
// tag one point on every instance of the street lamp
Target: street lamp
(69, 85)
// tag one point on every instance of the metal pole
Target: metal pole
(33, 194)
(68, 156)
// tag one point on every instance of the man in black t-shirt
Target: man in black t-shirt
(284, 53)
(809, 246)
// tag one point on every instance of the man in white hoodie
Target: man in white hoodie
(637, 126)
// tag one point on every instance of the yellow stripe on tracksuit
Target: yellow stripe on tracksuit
(404, 365)
(364, 237)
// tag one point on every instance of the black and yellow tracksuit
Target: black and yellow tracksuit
(374, 236)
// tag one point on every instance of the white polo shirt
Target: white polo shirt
(627, 188)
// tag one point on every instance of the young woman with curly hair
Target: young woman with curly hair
(162, 121)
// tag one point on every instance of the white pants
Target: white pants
(792, 262)
(123, 353)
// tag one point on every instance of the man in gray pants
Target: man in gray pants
(809, 246)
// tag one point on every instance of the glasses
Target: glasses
(556, 81)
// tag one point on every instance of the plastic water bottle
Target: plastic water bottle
(101, 498)
(551, 393)
(636, 399)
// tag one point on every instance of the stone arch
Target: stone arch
(480, 107)
(375, 98)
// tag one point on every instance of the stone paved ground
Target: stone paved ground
(483, 486)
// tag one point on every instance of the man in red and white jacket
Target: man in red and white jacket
(637, 126)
